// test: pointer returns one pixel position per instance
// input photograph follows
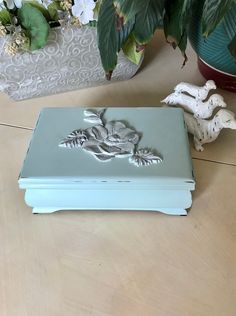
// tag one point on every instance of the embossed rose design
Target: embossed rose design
(114, 139)
(106, 141)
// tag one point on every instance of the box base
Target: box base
(172, 202)
(48, 210)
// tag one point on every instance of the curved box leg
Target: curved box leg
(44, 210)
(47, 210)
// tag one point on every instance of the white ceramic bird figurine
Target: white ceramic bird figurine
(199, 108)
(206, 131)
(197, 92)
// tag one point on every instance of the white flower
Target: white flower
(45, 3)
(2, 6)
(12, 3)
(83, 9)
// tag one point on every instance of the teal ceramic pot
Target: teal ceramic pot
(215, 61)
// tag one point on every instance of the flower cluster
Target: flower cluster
(20, 20)
(3, 30)
(19, 42)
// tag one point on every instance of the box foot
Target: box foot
(173, 211)
(44, 210)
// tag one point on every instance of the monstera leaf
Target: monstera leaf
(35, 24)
(213, 13)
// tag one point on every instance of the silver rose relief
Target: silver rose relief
(107, 140)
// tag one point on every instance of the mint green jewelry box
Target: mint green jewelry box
(109, 159)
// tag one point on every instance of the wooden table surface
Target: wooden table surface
(120, 263)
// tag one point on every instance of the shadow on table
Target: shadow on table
(205, 172)
(153, 49)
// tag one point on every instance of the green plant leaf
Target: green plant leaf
(182, 46)
(148, 20)
(92, 23)
(107, 36)
(176, 19)
(124, 32)
(118, 19)
(213, 13)
(5, 17)
(229, 22)
(53, 9)
(129, 49)
(97, 9)
(40, 7)
(35, 24)
(232, 47)
(127, 9)
(111, 35)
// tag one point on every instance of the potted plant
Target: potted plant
(214, 40)
(210, 25)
